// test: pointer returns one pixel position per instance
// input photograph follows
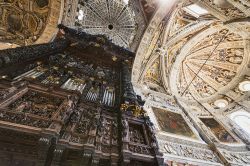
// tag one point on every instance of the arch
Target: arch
(216, 87)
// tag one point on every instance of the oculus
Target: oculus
(81, 15)
(112, 18)
(244, 86)
(195, 10)
(221, 103)
(242, 119)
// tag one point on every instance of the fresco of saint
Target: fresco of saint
(173, 123)
(218, 130)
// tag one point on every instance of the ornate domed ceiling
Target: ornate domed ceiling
(113, 18)
(199, 56)
(208, 63)
(28, 22)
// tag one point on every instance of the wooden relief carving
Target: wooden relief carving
(33, 109)
(36, 103)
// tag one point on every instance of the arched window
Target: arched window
(242, 119)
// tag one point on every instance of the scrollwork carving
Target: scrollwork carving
(136, 135)
(4, 93)
(21, 118)
(37, 104)
(140, 149)
(26, 20)
(190, 152)
(237, 158)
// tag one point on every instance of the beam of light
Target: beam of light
(81, 15)
(125, 1)
(164, 1)
(196, 10)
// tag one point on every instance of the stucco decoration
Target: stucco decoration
(185, 47)
(29, 22)
(121, 21)
(203, 72)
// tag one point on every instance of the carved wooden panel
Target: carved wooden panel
(34, 109)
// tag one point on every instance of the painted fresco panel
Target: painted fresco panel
(218, 130)
(173, 123)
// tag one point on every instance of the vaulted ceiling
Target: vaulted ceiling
(121, 22)
(197, 53)
(194, 51)
(112, 18)
(28, 22)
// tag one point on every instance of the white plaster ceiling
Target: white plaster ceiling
(196, 59)
(112, 18)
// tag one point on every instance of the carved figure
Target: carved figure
(125, 129)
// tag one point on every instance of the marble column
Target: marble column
(20, 54)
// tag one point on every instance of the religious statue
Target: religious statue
(95, 122)
(75, 116)
(125, 129)
(114, 131)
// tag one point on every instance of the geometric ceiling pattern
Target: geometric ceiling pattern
(210, 64)
(112, 18)
(200, 60)
(28, 22)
